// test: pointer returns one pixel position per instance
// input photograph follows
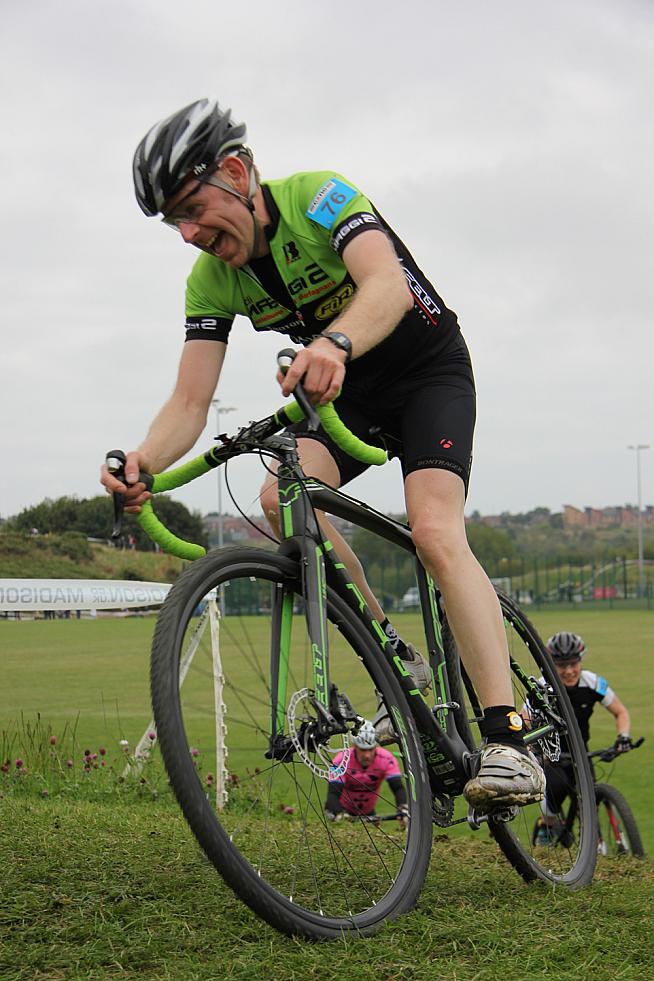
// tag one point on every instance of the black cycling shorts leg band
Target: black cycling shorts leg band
(438, 429)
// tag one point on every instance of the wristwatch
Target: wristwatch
(341, 341)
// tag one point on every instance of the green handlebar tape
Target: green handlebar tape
(180, 475)
(338, 431)
(288, 414)
(170, 543)
(355, 447)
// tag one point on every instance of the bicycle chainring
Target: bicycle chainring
(442, 811)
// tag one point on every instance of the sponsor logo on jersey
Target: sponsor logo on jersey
(428, 306)
(257, 307)
(201, 323)
(313, 275)
(329, 202)
(291, 252)
(357, 221)
(334, 303)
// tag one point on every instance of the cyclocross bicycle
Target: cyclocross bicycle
(302, 664)
(617, 830)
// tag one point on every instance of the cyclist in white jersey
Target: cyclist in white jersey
(585, 690)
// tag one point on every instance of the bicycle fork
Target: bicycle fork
(301, 537)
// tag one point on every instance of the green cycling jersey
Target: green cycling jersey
(303, 284)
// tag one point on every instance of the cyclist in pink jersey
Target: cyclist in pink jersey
(356, 791)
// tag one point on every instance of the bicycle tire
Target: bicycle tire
(574, 865)
(613, 801)
(258, 852)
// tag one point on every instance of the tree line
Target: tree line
(93, 517)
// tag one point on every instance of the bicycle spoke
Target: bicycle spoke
(274, 813)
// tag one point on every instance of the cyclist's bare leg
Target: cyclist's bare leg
(317, 461)
(435, 501)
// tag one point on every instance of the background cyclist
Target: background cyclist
(357, 791)
(311, 257)
(585, 690)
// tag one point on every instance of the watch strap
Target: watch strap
(341, 341)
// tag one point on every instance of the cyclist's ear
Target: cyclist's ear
(235, 173)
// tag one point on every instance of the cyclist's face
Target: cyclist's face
(214, 220)
(365, 756)
(569, 671)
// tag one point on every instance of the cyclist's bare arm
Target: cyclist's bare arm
(381, 300)
(619, 711)
(179, 423)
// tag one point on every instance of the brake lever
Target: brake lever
(285, 359)
(115, 460)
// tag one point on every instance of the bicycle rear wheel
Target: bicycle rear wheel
(572, 861)
(261, 821)
(617, 828)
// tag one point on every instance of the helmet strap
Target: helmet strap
(247, 201)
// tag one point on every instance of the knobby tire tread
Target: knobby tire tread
(522, 862)
(606, 792)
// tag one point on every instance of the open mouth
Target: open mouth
(213, 245)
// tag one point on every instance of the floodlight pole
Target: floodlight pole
(221, 537)
(641, 564)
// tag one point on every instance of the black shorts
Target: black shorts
(426, 419)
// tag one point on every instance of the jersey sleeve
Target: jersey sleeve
(341, 209)
(392, 766)
(208, 317)
(605, 691)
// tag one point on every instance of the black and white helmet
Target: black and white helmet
(366, 737)
(565, 646)
(190, 142)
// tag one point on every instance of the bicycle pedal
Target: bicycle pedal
(504, 814)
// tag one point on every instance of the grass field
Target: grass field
(112, 885)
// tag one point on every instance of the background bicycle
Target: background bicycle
(618, 833)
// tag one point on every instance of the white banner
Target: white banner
(23, 595)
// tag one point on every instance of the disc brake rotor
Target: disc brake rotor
(299, 725)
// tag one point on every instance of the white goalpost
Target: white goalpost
(210, 618)
(20, 596)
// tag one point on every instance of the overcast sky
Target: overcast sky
(510, 144)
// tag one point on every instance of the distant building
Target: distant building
(611, 517)
(239, 529)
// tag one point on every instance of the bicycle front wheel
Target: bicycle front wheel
(538, 842)
(261, 820)
(618, 832)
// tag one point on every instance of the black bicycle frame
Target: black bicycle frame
(445, 752)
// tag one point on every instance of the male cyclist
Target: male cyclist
(356, 791)
(585, 690)
(311, 257)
